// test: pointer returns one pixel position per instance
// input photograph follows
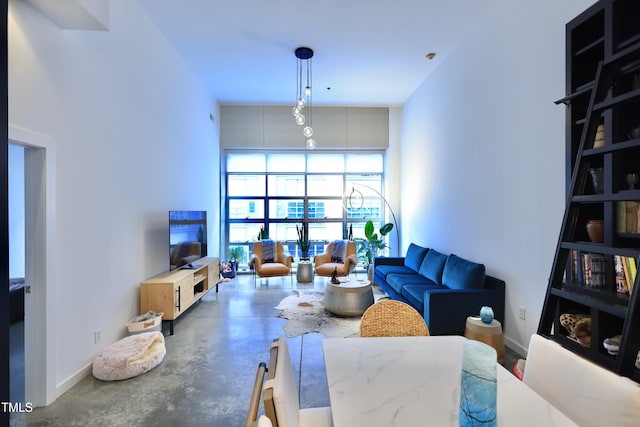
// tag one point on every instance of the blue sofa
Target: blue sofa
(445, 289)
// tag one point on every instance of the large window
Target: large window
(279, 190)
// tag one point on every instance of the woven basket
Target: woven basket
(389, 318)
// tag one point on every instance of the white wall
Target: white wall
(482, 152)
(133, 139)
(271, 126)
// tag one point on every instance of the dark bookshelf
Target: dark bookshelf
(602, 90)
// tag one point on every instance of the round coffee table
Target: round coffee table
(349, 298)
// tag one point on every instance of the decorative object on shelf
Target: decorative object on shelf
(599, 140)
(634, 133)
(478, 391)
(597, 179)
(302, 110)
(578, 326)
(595, 230)
(303, 240)
(486, 314)
(612, 345)
(632, 180)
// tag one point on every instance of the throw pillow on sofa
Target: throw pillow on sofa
(433, 265)
(414, 257)
(460, 273)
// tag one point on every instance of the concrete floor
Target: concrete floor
(208, 373)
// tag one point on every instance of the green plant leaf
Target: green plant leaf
(386, 229)
(368, 229)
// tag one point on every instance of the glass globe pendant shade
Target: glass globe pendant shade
(311, 143)
(307, 91)
(307, 131)
(296, 110)
(300, 119)
(300, 103)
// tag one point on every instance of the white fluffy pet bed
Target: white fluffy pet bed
(130, 357)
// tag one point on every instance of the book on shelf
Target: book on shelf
(588, 269)
(626, 269)
(628, 217)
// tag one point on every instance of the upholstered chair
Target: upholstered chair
(345, 262)
(280, 395)
(279, 265)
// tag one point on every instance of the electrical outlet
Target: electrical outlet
(97, 334)
(521, 312)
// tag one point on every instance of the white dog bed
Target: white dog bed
(130, 357)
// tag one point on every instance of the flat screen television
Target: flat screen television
(187, 238)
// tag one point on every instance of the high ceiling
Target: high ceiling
(367, 52)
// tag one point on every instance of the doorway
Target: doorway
(16, 272)
(34, 376)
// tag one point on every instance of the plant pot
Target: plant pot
(595, 230)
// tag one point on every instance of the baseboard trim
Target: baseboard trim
(74, 379)
(516, 347)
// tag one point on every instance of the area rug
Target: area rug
(305, 313)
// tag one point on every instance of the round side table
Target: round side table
(488, 333)
(305, 272)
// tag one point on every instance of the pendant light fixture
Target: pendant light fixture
(302, 109)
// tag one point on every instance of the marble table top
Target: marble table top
(411, 381)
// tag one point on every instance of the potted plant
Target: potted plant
(236, 253)
(263, 234)
(370, 247)
(303, 240)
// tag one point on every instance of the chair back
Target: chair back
(390, 318)
(281, 403)
(585, 392)
(279, 255)
(256, 394)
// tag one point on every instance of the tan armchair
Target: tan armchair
(280, 266)
(324, 266)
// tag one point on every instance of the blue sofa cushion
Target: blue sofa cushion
(397, 280)
(433, 265)
(460, 273)
(385, 270)
(414, 257)
(415, 294)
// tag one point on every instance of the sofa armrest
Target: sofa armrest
(388, 260)
(446, 310)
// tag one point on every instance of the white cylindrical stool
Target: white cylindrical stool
(488, 333)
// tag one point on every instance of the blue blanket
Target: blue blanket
(339, 251)
(268, 251)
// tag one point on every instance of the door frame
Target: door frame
(40, 237)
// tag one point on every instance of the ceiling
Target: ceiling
(367, 52)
